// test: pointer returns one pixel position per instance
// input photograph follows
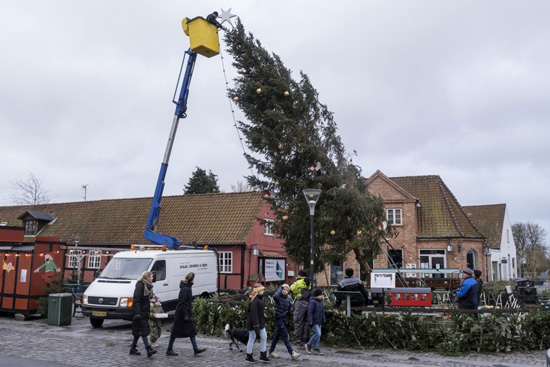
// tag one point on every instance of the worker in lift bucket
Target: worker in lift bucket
(211, 18)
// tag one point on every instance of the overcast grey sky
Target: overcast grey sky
(457, 89)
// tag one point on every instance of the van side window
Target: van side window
(159, 268)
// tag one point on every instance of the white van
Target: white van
(110, 296)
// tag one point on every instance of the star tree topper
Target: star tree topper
(226, 17)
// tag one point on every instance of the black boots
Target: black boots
(150, 351)
(249, 359)
(199, 350)
(134, 351)
(264, 358)
(171, 353)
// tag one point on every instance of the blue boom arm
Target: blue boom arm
(181, 108)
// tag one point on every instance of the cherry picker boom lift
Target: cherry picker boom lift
(203, 38)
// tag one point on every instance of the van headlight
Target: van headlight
(85, 300)
(126, 302)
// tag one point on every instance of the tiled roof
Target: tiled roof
(489, 219)
(221, 218)
(439, 215)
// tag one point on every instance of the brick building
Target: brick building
(430, 229)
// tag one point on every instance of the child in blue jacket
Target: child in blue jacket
(316, 318)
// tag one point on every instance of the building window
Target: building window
(508, 236)
(94, 261)
(268, 227)
(471, 259)
(394, 216)
(395, 259)
(225, 262)
(336, 274)
(73, 261)
(513, 263)
(31, 227)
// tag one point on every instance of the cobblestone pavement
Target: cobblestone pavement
(81, 345)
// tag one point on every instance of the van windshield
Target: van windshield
(123, 268)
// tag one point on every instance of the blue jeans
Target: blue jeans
(316, 337)
(252, 339)
(281, 333)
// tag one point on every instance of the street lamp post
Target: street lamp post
(486, 252)
(312, 196)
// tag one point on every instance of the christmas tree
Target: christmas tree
(294, 145)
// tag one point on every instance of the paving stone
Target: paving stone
(81, 345)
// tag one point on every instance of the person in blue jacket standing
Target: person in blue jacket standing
(468, 296)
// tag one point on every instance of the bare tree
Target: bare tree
(529, 239)
(241, 186)
(30, 191)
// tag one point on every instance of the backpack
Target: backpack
(306, 292)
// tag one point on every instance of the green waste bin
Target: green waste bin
(60, 309)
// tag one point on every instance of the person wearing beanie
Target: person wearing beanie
(479, 280)
(184, 324)
(282, 308)
(468, 293)
(255, 324)
(301, 288)
(211, 18)
(316, 318)
(352, 284)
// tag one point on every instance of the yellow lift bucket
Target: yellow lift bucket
(203, 36)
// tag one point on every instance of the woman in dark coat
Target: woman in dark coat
(140, 323)
(255, 324)
(184, 325)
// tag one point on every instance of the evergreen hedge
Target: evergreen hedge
(454, 335)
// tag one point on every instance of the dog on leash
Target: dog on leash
(237, 336)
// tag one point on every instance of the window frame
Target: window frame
(393, 216)
(336, 275)
(94, 261)
(31, 227)
(224, 256)
(73, 262)
(269, 225)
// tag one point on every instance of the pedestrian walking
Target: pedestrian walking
(301, 288)
(155, 324)
(140, 322)
(281, 309)
(184, 324)
(255, 324)
(316, 318)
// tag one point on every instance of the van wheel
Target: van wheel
(96, 322)
(206, 295)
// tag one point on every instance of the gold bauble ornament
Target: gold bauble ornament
(333, 232)
(301, 150)
(236, 99)
(285, 217)
(359, 233)
(259, 90)
(240, 71)
(281, 146)
(276, 183)
(256, 149)
(286, 93)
